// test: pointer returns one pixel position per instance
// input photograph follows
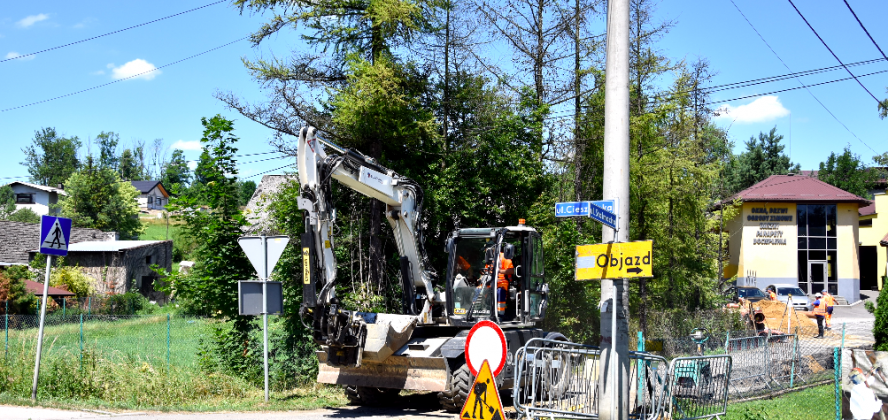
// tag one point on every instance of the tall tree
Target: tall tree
(763, 157)
(51, 158)
(97, 198)
(846, 171)
(7, 202)
(107, 143)
(175, 172)
(129, 167)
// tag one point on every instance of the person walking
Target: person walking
(830, 302)
(771, 294)
(819, 313)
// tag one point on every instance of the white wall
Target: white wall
(41, 199)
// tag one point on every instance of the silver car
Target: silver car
(800, 301)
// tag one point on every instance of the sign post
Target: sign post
(55, 235)
(485, 356)
(264, 253)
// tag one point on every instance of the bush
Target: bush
(14, 292)
(880, 328)
(128, 303)
(72, 280)
(24, 215)
(870, 307)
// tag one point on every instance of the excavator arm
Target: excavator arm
(403, 201)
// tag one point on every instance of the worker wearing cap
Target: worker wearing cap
(771, 294)
(830, 302)
(819, 313)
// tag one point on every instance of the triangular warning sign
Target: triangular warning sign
(55, 237)
(483, 402)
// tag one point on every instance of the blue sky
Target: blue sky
(169, 103)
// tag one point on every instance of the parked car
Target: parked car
(800, 301)
(748, 293)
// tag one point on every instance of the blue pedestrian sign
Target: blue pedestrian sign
(604, 217)
(55, 235)
(572, 209)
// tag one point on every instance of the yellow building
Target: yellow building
(874, 242)
(796, 230)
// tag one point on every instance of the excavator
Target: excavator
(493, 273)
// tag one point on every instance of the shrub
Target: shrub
(24, 215)
(880, 328)
(72, 280)
(870, 307)
(128, 303)
(13, 290)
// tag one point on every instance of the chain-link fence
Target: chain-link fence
(152, 339)
(122, 304)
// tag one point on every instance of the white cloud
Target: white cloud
(30, 20)
(186, 145)
(192, 165)
(762, 109)
(137, 66)
(13, 54)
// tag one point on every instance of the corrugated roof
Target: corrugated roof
(884, 241)
(17, 238)
(97, 246)
(40, 187)
(796, 188)
(37, 289)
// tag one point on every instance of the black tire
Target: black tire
(457, 392)
(368, 396)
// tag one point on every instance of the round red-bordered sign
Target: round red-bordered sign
(486, 341)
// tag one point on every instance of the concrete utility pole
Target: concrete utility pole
(615, 383)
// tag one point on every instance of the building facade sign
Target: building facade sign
(770, 232)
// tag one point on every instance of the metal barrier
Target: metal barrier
(751, 361)
(698, 387)
(648, 376)
(557, 378)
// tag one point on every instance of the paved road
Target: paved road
(414, 407)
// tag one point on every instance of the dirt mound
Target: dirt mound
(775, 312)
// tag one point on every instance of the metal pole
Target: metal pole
(89, 303)
(264, 275)
(837, 362)
(639, 394)
(6, 328)
(168, 340)
(40, 330)
(843, 335)
(795, 346)
(64, 307)
(81, 339)
(616, 186)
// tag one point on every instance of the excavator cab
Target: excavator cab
(496, 274)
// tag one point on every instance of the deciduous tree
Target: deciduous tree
(97, 198)
(847, 172)
(51, 158)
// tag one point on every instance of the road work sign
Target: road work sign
(483, 402)
(55, 234)
(614, 261)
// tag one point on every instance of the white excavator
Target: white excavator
(492, 274)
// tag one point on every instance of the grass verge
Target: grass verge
(817, 403)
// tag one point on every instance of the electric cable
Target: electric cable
(866, 31)
(125, 78)
(275, 169)
(110, 33)
(262, 160)
(797, 79)
(831, 51)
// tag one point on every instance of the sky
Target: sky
(169, 103)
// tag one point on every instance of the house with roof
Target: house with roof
(152, 195)
(797, 230)
(38, 198)
(873, 222)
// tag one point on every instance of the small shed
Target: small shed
(53, 292)
(122, 266)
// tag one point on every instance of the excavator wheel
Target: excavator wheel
(455, 396)
(369, 396)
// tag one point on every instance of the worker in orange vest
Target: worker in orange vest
(819, 313)
(830, 302)
(771, 294)
(506, 269)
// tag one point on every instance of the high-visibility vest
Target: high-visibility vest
(830, 301)
(819, 307)
(772, 295)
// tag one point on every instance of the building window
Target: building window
(866, 223)
(817, 248)
(150, 200)
(24, 198)
(148, 260)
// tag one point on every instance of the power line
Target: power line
(797, 79)
(864, 30)
(262, 160)
(125, 78)
(275, 169)
(111, 33)
(830, 50)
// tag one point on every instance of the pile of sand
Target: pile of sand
(775, 311)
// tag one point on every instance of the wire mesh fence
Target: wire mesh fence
(121, 304)
(152, 339)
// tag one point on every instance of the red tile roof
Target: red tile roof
(868, 210)
(37, 289)
(796, 188)
(884, 241)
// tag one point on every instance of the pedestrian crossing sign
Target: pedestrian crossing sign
(483, 402)
(55, 235)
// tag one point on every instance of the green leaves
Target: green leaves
(97, 198)
(846, 171)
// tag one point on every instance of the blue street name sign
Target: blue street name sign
(55, 235)
(609, 205)
(603, 216)
(572, 209)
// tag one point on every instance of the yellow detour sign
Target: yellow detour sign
(614, 261)
(483, 402)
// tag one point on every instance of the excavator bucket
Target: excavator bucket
(398, 372)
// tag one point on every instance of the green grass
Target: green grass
(817, 403)
(156, 230)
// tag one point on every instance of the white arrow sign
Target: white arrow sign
(263, 258)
